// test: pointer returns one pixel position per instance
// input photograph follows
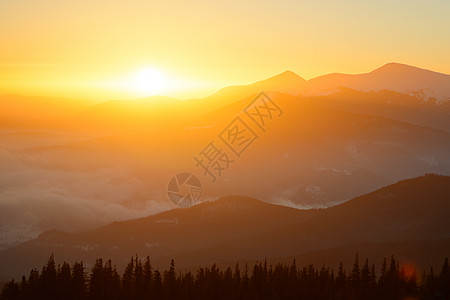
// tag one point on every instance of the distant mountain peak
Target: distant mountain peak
(286, 82)
(286, 76)
(288, 72)
(394, 67)
(426, 85)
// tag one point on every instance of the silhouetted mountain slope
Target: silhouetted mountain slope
(115, 159)
(389, 104)
(411, 210)
(160, 112)
(314, 155)
(236, 228)
(163, 234)
(425, 88)
(287, 83)
(425, 84)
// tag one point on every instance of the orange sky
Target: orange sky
(97, 49)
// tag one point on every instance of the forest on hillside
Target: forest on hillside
(262, 281)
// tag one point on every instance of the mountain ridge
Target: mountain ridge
(400, 67)
(335, 227)
(427, 85)
(254, 230)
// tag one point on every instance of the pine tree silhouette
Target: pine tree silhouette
(170, 282)
(139, 281)
(97, 281)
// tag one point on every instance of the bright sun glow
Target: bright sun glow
(149, 81)
(140, 83)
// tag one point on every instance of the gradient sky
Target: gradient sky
(86, 48)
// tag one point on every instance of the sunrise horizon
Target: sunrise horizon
(81, 49)
(238, 150)
(142, 85)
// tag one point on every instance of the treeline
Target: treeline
(140, 281)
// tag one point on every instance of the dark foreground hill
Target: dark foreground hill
(408, 219)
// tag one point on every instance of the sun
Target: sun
(149, 81)
(141, 82)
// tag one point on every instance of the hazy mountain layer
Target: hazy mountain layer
(393, 218)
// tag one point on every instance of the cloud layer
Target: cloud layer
(42, 190)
